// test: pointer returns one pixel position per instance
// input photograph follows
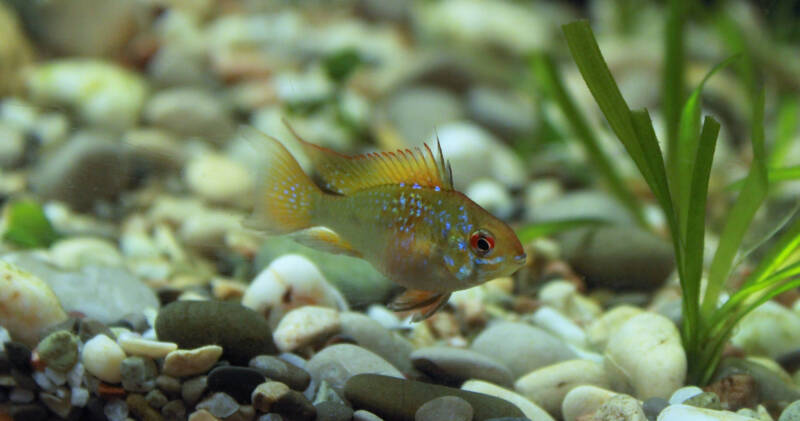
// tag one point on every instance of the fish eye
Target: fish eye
(481, 242)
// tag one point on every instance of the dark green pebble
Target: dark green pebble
(238, 382)
(653, 406)
(295, 406)
(156, 399)
(89, 328)
(333, 411)
(445, 408)
(19, 355)
(378, 394)
(137, 404)
(241, 332)
(174, 411)
(138, 374)
(281, 371)
(169, 385)
(28, 412)
(193, 389)
(59, 350)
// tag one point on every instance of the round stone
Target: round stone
(446, 408)
(456, 365)
(138, 374)
(237, 382)
(337, 363)
(219, 404)
(59, 350)
(102, 358)
(136, 345)
(182, 363)
(333, 411)
(305, 325)
(282, 371)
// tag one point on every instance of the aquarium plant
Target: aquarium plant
(709, 313)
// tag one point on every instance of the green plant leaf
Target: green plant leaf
(673, 85)
(774, 175)
(27, 226)
(549, 81)
(787, 130)
(341, 63)
(753, 193)
(541, 229)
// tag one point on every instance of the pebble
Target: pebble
(19, 355)
(370, 334)
(59, 350)
(645, 356)
(12, 150)
(525, 347)
(528, 408)
(219, 404)
(707, 400)
(102, 358)
(174, 410)
(202, 415)
(139, 407)
(277, 397)
(620, 408)
(492, 196)
(156, 399)
(791, 412)
(559, 325)
(454, 365)
(104, 94)
(684, 393)
(138, 374)
(241, 332)
(362, 415)
(136, 345)
(193, 389)
(282, 371)
(378, 394)
(653, 406)
(445, 408)
(190, 112)
(287, 282)
(505, 113)
(75, 252)
(88, 328)
(333, 411)
(583, 400)
(770, 329)
(691, 413)
(337, 363)
(305, 326)
(598, 332)
(116, 410)
(183, 363)
(237, 382)
(28, 412)
(29, 305)
(591, 204)
(168, 384)
(547, 386)
(415, 111)
(266, 394)
(766, 383)
(219, 179)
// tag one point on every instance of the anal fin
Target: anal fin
(423, 303)
(325, 239)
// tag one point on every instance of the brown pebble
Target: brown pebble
(138, 405)
(202, 415)
(735, 391)
(107, 391)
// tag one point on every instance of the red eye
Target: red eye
(482, 242)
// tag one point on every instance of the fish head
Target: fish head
(483, 247)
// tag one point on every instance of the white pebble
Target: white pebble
(384, 316)
(584, 400)
(28, 303)
(116, 410)
(691, 413)
(686, 392)
(559, 325)
(75, 375)
(646, 357)
(598, 332)
(547, 386)
(4, 337)
(183, 362)
(41, 379)
(492, 196)
(771, 329)
(56, 377)
(102, 357)
(79, 397)
(217, 178)
(76, 252)
(528, 408)
(305, 325)
(20, 395)
(135, 345)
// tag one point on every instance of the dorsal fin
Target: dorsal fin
(348, 174)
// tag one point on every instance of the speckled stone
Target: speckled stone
(238, 382)
(282, 371)
(59, 350)
(445, 408)
(138, 374)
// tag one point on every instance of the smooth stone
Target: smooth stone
(136, 345)
(266, 394)
(59, 350)
(591, 204)
(444, 408)
(333, 411)
(202, 415)
(88, 328)
(241, 332)
(684, 393)
(506, 113)
(338, 363)
(304, 326)
(139, 406)
(190, 112)
(88, 168)
(76, 252)
(416, 111)
(646, 357)
(28, 304)
(138, 374)
(620, 408)
(772, 385)
(156, 399)
(61, 406)
(770, 329)
(547, 386)
(192, 389)
(583, 400)
(456, 365)
(362, 415)
(528, 408)
(378, 394)
(791, 412)
(183, 363)
(559, 325)
(237, 382)
(19, 355)
(219, 404)
(282, 371)
(653, 406)
(492, 196)
(691, 413)
(598, 332)
(277, 397)
(290, 281)
(168, 384)
(102, 358)
(524, 347)
(174, 410)
(707, 400)
(371, 335)
(12, 149)
(217, 178)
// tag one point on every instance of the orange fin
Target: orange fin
(325, 239)
(425, 303)
(348, 174)
(285, 196)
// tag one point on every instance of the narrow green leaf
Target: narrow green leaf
(541, 229)
(774, 175)
(787, 130)
(550, 81)
(27, 226)
(738, 220)
(673, 85)
(777, 256)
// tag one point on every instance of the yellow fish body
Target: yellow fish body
(398, 210)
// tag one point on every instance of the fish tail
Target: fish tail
(286, 198)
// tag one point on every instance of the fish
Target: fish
(397, 210)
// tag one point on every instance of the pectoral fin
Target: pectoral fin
(325, 239)
(424, 303)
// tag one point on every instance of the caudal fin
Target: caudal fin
(285, 196)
